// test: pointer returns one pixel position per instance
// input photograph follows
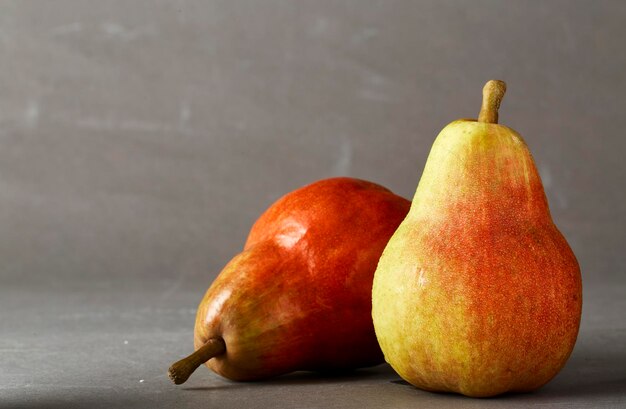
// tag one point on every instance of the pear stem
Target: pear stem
(493, 92)
(180, 371)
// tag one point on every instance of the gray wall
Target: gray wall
(140, 140)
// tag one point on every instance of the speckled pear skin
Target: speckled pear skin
(298, 297)
(477, 292)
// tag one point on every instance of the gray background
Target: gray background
(140, 140)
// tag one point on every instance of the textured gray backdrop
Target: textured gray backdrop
(140, 140)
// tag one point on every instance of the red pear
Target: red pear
(298, 297)
(478, 292)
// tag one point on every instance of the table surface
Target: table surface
(103, 347)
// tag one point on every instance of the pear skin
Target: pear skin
(478, 292)
(298, 297)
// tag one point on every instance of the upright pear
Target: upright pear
(298, 297)
(477, 292)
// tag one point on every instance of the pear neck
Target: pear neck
(473, 168)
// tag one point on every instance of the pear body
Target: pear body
(477, 292)
(298, 297)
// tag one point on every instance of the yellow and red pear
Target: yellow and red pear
(298, 297)
(477, 292)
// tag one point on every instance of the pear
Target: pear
(477, 292)
(298, 297)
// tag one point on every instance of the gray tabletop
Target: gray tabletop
(140, 140)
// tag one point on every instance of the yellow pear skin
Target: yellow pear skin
(477, 292)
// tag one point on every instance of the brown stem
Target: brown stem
(493, 92)
(180, 371)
